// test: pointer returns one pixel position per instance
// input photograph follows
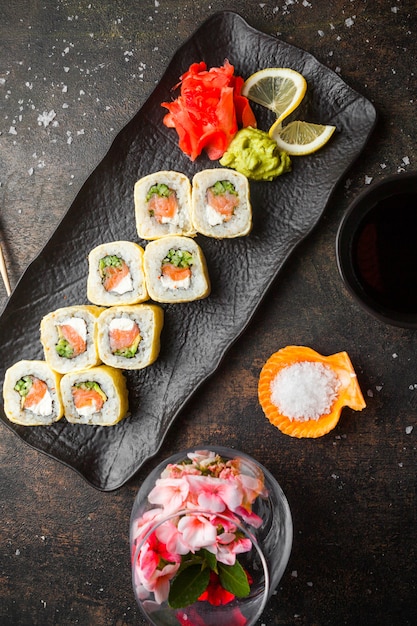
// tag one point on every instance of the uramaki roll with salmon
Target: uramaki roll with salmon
(115, 274)
(31, 394)
(68, 337)
(176, 270)
(97, 396)
(221, 204)
(129, 336)
(163, 205)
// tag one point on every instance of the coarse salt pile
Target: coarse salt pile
(305, 390)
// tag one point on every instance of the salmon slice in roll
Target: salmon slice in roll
(31, 393)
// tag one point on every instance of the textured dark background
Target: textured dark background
(64, 545)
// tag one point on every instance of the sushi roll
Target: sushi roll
(175, 270)
(129, 336)
(115, 274)
(96, 396)
(163, 205)
(68, 337)
(31, 394)
(221, 205)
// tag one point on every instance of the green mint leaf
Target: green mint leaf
(188, 586)
(233, 578)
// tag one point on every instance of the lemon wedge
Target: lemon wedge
(279, 89)
(300, 138)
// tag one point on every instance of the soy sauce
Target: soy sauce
(385, 253)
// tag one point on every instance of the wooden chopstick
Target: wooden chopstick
(3, 271)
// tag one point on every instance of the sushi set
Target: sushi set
(88, 345)
(241, 269)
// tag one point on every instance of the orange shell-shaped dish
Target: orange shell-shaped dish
(348, 394)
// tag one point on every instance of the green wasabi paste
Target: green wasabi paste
(255, 154)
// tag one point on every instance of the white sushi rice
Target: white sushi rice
(80, 317)
(149, 319)
(159, 291)
(206, 219)
(132, 288)
(48, 410)
(147, 226)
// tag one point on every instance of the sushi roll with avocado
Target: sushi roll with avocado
(163, 205)
(221, 205)
(128, 337)
(68, 337)
(31, 393)
(96, 396)
(115, 274)
(176, 270)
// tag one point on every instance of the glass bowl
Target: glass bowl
(210, 538)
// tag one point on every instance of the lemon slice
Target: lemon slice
(280, 89)
(300, 138)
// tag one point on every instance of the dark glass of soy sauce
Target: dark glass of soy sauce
(377, 250)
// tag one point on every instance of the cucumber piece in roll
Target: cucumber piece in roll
(176, 270)
(115, 274)
(31, 393)
(163, 205)
(129, 336)
(221, 205)
(96, 396)
(68, 337)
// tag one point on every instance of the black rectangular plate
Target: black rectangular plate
(196, 335)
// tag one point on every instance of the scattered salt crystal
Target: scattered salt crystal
(46, 118)
(66, 69)
(370, 393)
(378, 387)
(335, 476)
(368, 180)
(304, 390)
(17, 553)
(382, 166)
(408, 429)
(406, 160)
(395, 355)
(12, 130)
(400, 464)
(394, 9)
(2, 81)
(321, 33)
(350, 21)
(294, 573)
(309, 584)
(30, 171)
(64, 89)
